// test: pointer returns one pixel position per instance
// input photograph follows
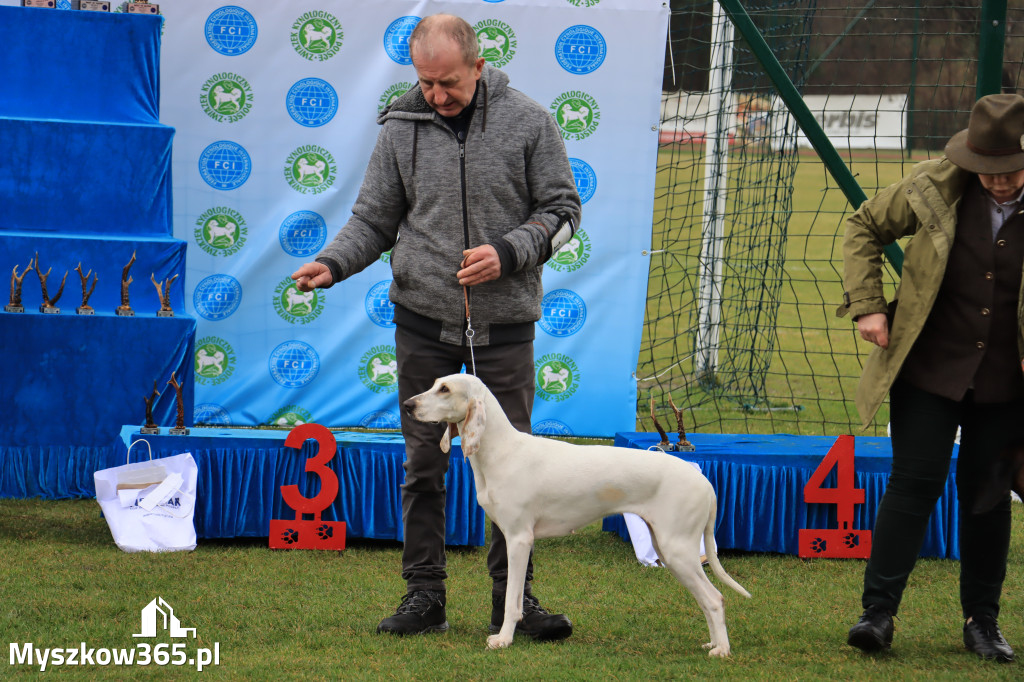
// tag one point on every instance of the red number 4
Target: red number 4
(842, 542)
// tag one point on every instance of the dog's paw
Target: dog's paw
(719, 651)
(498, 642)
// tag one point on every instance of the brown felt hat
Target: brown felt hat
(993, 143)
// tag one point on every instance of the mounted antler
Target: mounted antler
(664, 444)
(683, 442)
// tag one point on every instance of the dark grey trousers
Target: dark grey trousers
(508, 372)
(923, 429)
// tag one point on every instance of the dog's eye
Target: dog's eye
(443, 389)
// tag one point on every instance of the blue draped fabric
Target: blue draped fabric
(760, 480)
(241, 473)
(87, 178)
(73, 380)
(116, 75)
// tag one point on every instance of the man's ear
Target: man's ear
(472, 428)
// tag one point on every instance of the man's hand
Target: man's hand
(479, 265)
(874, 328)
(312, 276)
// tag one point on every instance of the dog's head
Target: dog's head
(456, 400)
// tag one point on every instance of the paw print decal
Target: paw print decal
(852, 540)
(325, 532)
(290, 536)
(818, 545)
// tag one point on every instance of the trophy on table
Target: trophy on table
(163, 291)
(125, 308)
(179, 427)
(15, 302)
(49, 305)
(150, 426)
(85, 308)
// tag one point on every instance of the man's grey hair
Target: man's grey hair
(430, 30)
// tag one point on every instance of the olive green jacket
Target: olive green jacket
(923, 204)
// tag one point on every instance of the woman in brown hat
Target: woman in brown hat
(948, 355)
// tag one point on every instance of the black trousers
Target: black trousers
(508, 372)
(923, 431)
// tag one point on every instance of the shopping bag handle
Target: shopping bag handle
(128, 457)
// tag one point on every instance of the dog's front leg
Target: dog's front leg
(519, 547)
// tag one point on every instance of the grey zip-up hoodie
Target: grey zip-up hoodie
(427, 196)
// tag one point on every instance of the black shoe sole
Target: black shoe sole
(554, 634)
(991, 657)
(443, 627)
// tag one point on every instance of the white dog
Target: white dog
(536, 487)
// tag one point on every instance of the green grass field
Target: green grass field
(303, 615)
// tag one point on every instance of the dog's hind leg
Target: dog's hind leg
(681, 558)
(519, 547)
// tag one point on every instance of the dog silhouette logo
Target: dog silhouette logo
(226, 97)
(497, 41)
(220, 231)
(317, 35)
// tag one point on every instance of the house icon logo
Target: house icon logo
(158, 614)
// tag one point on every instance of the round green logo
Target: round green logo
(214, 361)
(573, 255)
(378, 369)
(317, 35)
(392, 93)
(310, 169)
(577, 114)
(220, 231)
(497, 41)
(557, 377)
(290, 415)
(297, 307)
(226, 97)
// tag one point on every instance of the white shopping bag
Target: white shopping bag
(150, 505)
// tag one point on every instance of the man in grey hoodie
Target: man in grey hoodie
(470, 187)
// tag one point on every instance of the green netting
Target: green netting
(783, 363)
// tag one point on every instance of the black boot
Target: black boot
(982, 636)
(421, 611)
(873, 632)
(536, 623)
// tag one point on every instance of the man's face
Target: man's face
(447, 82)
(1003, 187)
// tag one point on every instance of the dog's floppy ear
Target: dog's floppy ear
(473, 427)
(450, 430)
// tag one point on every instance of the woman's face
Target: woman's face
(1003, 187)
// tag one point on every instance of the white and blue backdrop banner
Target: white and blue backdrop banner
(275, 105)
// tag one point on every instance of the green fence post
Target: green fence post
(991, 35)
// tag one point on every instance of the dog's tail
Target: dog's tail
(711, 552)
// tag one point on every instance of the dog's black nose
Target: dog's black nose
(409, 405)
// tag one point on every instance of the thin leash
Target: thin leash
(470, 332)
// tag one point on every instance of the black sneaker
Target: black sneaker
(982, 636)
(536, 623)
(420, 612)
(873, 632)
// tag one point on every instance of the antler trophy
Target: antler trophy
(85, 308)
(683, 445)
(163, 291)
(125, 308)
(49, 305)
(150, 426)
(15, 302)
(179, 428)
